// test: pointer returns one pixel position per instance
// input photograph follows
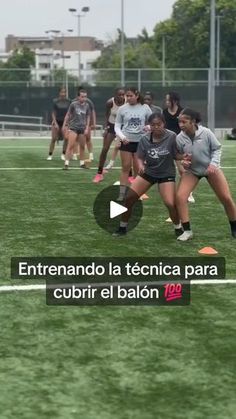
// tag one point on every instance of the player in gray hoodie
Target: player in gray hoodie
(202, 153)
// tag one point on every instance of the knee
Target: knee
(169, 204)
(180, 199)
(125, 168)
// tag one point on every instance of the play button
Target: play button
(116, 209)
(108, 210)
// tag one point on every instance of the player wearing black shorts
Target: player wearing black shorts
(78, 120)
(171, 114)
(156, 154)
(60, 108)
(112, 107)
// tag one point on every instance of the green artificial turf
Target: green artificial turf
(103, 362)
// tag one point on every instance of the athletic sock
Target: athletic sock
(186, 226)
(66, 162)
(177, 226)
(100, 170)
(233, 227)
(50, 153)
(81, 162)
(123, 224)
(123, 189)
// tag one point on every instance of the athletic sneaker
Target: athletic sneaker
(169, 220)
(63, 157)
(187, 235)
(66, 167)
(143, 197)
(83, 166)
(191, 198)
(49, 158)
(98, 178)
(122, 231)
(109, 166)
(179, 231)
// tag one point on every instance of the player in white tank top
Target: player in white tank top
(109, 135)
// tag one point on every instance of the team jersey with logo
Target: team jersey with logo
(78, 115)
(158, 157)
(131, 120)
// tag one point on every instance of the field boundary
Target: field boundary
(36, 287)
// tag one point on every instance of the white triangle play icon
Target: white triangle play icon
(116, 209)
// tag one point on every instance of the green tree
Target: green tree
(20, 63)
(187, 41)
(187, 34)
(139, 53)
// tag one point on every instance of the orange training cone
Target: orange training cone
(208, 251)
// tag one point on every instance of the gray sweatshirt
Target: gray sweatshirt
(204, 148)
(131, 120)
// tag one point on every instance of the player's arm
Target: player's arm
(68, 116)
(107, 113)
(141, 156)
(54, 116)
(215, 148)
(88, 119)
(118, 125)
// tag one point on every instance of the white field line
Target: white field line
(40, 137)
(43, 146)
(78, 168)
(36, 287)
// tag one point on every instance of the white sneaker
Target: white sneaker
(49, 158)
(191, 198)
(169, 220)
(109, 166)
(63, 157)
(187, 235)
(74, 157)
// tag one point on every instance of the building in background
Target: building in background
(59, 52)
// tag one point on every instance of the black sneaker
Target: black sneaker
(83, 166)
(122, 231)
(66, 167)
(178, 231)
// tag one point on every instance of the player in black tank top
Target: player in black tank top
(59, 111)
(171, 114)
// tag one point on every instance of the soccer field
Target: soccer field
(109, 362)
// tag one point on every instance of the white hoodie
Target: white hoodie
(204, 148)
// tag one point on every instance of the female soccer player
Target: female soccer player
(202, 152)
(60, 108)
(78, 120)
(112, 107)
(171, 114)
(149, 99)
(156, 154)
(129, 127)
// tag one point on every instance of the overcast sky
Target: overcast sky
(34, 17)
